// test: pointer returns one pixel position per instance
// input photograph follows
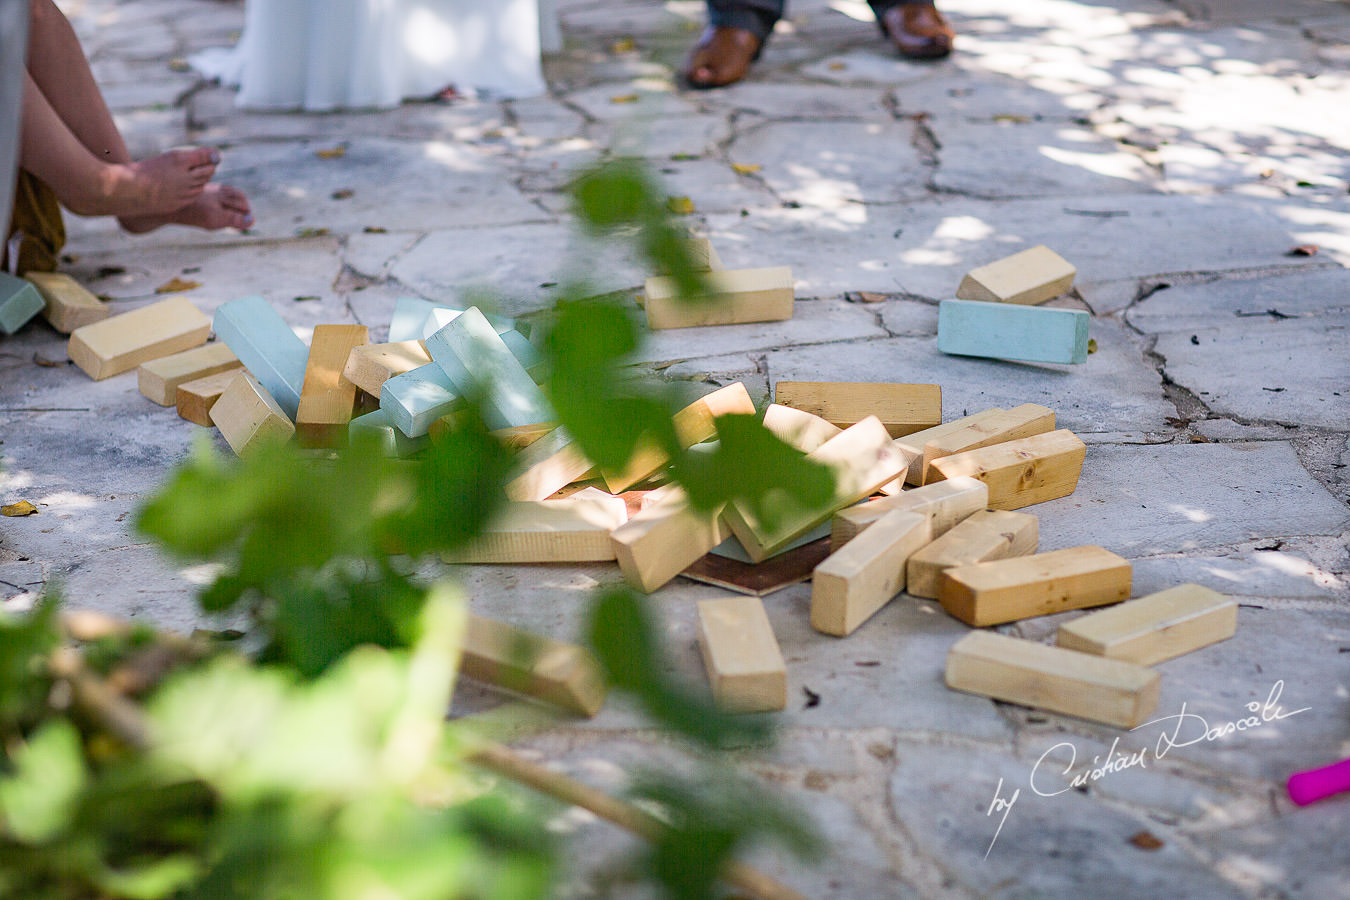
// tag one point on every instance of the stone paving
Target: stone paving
(1174, 151)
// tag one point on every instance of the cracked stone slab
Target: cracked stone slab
(979, 95)
(1297, 854)
(1251, 574)
(866, 66)
(655, 138)
(620, 101)
(1240, 301)
(789, 101)
(713, 186)
(371, 254)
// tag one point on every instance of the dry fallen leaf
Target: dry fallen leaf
(332, 153)
(375, 229)
(1092, 346)
(838, 66)
(680, 206)
(310, 232)
(1145, 840)
(746, 168)
(869, 297)
(623, 45)
(624, 98)
(48, 363)
(22, 508)
(174, 285)
(1304, 250)
(343, 194)
(1009, 117)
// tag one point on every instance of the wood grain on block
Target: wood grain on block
(862, 459)
(159, 379)
(20, 301)
(1154, 628)
(1004, 331)
(1020, 473)
(1023, 421)
(550, 463)
(943, 504)
(519, 437)
(266, 346)
(1030, 277)
(416, 399)
(1052, 678)
(574, 529)
(66, 303)
(476, 359)
(121, 343)
(902, 408)
(758, 579)
(370, 366)
(1008, 590)
(393, 442)
(195, 398)
(664, 538)
(564, 675)
(745, 666)
(798, 429)
(914, 443)
(736, 296)
(987, 535)
(326, 397)
(247, 415)
(854, 583)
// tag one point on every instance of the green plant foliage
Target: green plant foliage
(25, 642)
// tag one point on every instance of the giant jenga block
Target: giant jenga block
(327, 399)
(266, 346)
(416, 399)
(546, 465)
(665, 538)
(371, 365)
(195, 398)
(564, 675)
(987, 535)
(159, 379)
(476, 359)
(1006, 331)
(736, 296)
(20, 301)
(799, 429)
(740, 652)
(247, 415)
(902, 408)
(1006, 590)
(1020, 473)
(408, 319)
(943, 504)
(914, 443)
(1154, 628)
(1023, 421)
(1052, 678)
(1030, 277)
(702, 257)
(441, 316)
(380, 425)
(854, 583)
(121, 343)
(574, 529)
(67, 305)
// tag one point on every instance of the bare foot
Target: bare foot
(218, 206)
(161, 184)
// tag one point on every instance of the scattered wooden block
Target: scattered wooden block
(1004, 331)
(702, 255)
(1023, 421)
(914, 443)
(1052, 678)
(159, 379)
(66, 304)
(20, 301)
(1154, 628)
(416, 399)
(122, 342)
(326, 398)
(266, 346)
(736, 296)
(741, 654)
(526, 354)
(247, 415)
(195, 398)
(1030, 277)
(943, 504)
(854, 583)
(902, 408)
(574, 529)
(759, 579)
(441, 316)
(664, 538)
(475, 358)
(550, 463)
(408, 319)
(1007, 590)
(987, 535)
(797, 428)
(370, 366)
(1020, 473)
(393, 441)
(564, 675)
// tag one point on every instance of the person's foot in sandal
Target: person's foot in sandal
(722, 56)
(917, 30)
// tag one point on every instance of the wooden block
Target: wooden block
(665, 538)
(408, 319)
(574, 529)
(1154, 628)
(862, 457)
(326, 398)
(441, 316)
(66, 304)
(759, 579)
(797, 428)
(740, 652)
(20, 301)
(854, 583)
(195, 398)
(370, 366)
(525, 353)
(902, 408)
(943, 504)
(564, 675)
(987, 535)
(381, 425)
(266, 346)
(1020, 473)
(159, 379)
(1030, 277)
(1052, 678)
(1007, 590)
(914, 443)
(552, 462)
(475, 358)
(702, 256)
(121, 343)
(416, 399)
(1004, 425)
(736, 296)
(1004, 331)
(522, 436)
(247, 415)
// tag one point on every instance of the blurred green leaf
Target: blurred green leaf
(25, 641)
(37, 801)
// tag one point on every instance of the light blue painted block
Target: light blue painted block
(1010, 331)
(266, 346)
(19, 302)
(472, 353)
(394, 441)
(410, 314)
(524, 351)
(415, 399)
(442, 316)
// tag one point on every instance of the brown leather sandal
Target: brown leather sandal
(917, 30)
(722, 56)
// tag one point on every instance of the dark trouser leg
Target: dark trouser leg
(755, 16)
(879, 7)
(38, 216)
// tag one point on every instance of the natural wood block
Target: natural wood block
(1052, 678)
(20, 301)
(159, 379)
(66, 304)
(247, 415)
(854, 583)
(379, 424)
(564, 675)
(740, 652)
(121, 343)
(267, 347)
(736, 296)
(522, 436)
(987, 535)
(902, 408)
(943, 504)
(371, 365)
(799, 429)
(1023, 472)
(326, 397)
(416, 399)
(550, 463)
(1007, 590)
(573, 529)
(1004, 425)
(1006, 331)
(195, 398)
(476, 359)
(1154, 628)
(664, 538)
(702, 256)
(1030, 277)
(914, 443)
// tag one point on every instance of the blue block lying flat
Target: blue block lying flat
(19, 302)
(415, 399)
(1007, 331)
(394, 441)
(472, 353)
(266, 346)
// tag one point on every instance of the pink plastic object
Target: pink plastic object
(1316, 784)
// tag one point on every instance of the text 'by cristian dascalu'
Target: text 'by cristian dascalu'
(1180, 730)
